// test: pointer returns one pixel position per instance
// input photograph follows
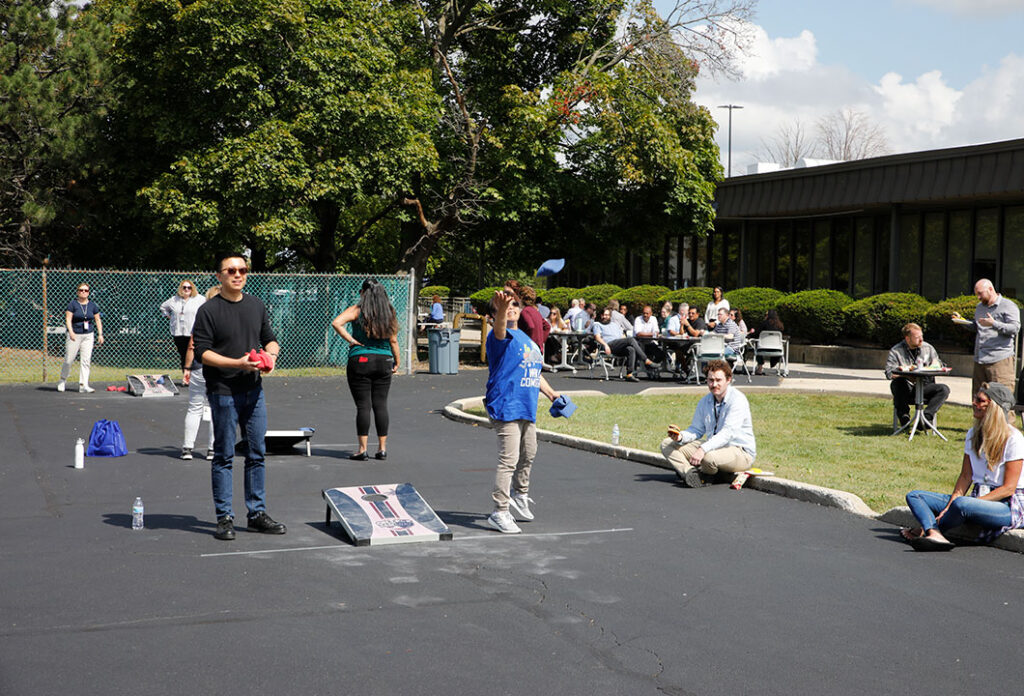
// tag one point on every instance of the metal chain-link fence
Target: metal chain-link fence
(138, 337)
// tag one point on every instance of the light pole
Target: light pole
(730, 107)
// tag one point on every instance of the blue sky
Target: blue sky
(931, 73)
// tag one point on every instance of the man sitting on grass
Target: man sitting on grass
(723, 419)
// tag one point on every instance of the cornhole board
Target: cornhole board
(151, 385)
(388, 513)
(283, 441)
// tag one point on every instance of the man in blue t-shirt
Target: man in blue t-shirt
(514, 382)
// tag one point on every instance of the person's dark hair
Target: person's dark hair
(375, 311)
(771, 321)
(590, 306)
(721, 292)
(527, 295)
(219, 257)
(739, 315)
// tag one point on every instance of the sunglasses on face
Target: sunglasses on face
(233, 270)
(186, 287)
(515, 304)
(83, 289)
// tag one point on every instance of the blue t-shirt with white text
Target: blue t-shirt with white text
(513, 382)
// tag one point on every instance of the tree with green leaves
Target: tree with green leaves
(53, 88)
(286, 126)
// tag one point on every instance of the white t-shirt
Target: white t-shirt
(980, 473)
(650, 326)
(711, 313)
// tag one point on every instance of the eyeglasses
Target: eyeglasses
(83, 289)
(232, 270)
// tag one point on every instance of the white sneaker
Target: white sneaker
(186, 453)
(61, 386)
(520, 505)
(503, 522)
(85, 389)
(209, 455)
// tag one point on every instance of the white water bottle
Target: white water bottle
(80, 454)
(137, 513)
(615, 434)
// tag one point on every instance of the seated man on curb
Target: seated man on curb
(913, 350)
(611, 340)
(723, 419)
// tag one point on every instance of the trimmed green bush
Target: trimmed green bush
(481, 298)
(941, 326)
(599, 294)
(754, 302)
(814, 315)
(880, 318)
(696, 296)
(559, 297)
(640, 295)
(431, 290)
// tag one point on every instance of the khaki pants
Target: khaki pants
(1002, 372)
(517, 446)
(78, 344)
(730, 459)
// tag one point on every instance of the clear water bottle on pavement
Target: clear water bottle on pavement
(137, 513)
(615, 434)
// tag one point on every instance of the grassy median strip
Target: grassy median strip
(841, 442)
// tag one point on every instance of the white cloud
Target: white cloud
(927, 105)
(973, 8)
(783, 80)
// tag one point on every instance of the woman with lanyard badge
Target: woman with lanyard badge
(181, 310)
(79, 318)
(992, 463)
(372, 359)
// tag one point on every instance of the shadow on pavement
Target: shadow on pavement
(185, 523)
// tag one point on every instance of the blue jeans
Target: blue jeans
(249, 411)
(987, 513)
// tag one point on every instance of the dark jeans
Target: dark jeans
(903, 398)
(629, 348)
(369, 380)
(249, 411)
(181, 343)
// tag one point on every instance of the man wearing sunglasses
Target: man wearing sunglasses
(227, 327)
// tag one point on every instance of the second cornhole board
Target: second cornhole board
(388, 513)
(281, 441)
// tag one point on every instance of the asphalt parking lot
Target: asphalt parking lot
(626, 583)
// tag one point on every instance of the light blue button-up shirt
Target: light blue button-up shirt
(730, 424)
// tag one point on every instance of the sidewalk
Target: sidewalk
(836, 379)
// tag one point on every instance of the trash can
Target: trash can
(443, 350)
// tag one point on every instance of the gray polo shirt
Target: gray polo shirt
(995, 343)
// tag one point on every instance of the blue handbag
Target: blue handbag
(106, 440)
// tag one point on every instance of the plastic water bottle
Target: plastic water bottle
(80, 454)
(615, 434)
(137, 513)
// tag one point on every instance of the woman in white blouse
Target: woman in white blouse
(989, 491)
(717, 302)
(181, 310)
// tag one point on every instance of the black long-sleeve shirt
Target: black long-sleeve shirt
(231, 329)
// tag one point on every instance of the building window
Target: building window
(783, 256)
(841, 233)
(801, 255)
(910, 253)
(1013, 260)
(764, 259)
(822, 254)
(732, 258)
(933, 259)
(883, 244)
(958, 254)
(986, 245)
(863, 256)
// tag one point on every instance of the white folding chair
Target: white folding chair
(711, 347)
(770, 344)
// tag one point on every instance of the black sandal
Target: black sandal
(359, 456)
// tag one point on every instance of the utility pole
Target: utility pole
(730, 107)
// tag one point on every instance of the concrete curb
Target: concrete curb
(1012, 540)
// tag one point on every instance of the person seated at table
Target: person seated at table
(645, 330)
(771, 322)
(695, 327)
(552, 346)
(619, 316)
(575, 308)
(664, 315)
(733, 338)
(717, 302)
(585, 319)
(723, 421)
(992, 458)
(674, 326)
(612, 341)
(914, 351)
(737, 316)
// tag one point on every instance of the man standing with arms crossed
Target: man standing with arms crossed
(997, 321)
(227, 327)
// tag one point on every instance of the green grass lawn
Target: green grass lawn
(841, 442)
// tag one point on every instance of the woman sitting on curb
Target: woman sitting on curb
(992, 461)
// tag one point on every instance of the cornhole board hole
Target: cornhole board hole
(388, 513)
(284, 441)
(151, 385)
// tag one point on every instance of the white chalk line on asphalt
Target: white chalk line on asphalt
(475, 537)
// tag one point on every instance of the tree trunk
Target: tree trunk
(325, 255)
